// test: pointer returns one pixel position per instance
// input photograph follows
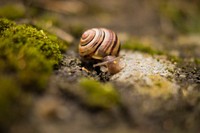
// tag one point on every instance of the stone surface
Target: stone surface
(138, 65)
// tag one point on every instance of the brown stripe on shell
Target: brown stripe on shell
(109, 43)
(103, 43)
(87, 37)
(110, 50)
(115, 47)
(91, 46)
(119, 47)
(96, 55)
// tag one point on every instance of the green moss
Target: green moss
(28, 65)
(27, 59)
(28, 53)
(21, 35)
(98, 94)
(12, 11)
(63, 45)
(173, 58)
(47, 25)
(136, 45)
(5, 24)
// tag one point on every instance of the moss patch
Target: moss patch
(27, 59)
(21, 35)
(26, 53)
(98, 94)
(5, 24)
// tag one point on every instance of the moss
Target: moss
(48, 27)
(136, 45)
(27, 53)
(27, 59)
(173, 58)
(63, 45)
(98, 94)
(5, 24)
(21, 35)
(12, 11)
(28, 65)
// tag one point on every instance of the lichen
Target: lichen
(98, 94)
(160, 87)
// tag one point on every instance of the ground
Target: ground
(157, 89)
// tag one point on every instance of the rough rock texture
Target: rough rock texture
(138, 65)
(144, 70)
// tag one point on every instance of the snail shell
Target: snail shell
(98, 43)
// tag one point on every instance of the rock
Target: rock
(138, 65)
(148, 74)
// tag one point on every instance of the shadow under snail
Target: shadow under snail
(102, 45)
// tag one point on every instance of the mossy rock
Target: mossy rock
(100, 95)
(27, 58)
(25, 35)
(27, 53)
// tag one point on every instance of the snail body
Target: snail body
(102, 45)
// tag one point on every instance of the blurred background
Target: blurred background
(137, 17)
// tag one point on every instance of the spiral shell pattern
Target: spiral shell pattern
(98, 43)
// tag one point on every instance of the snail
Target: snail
(103, 45)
